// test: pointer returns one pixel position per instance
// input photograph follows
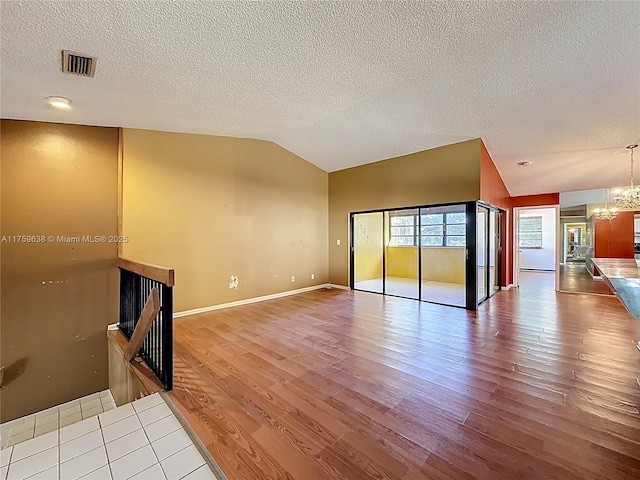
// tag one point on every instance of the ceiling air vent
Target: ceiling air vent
(78, 64)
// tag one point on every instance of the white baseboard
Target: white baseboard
(250, 300)
(509, 287)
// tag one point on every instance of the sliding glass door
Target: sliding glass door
(401, 253)
(482, 250)
(417, 253)
(488, 251)
(367, 260)
(443, 254)
(494, 251)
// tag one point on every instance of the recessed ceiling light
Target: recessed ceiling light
(524, 164)
(59, 102)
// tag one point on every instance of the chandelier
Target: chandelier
(630, 198)
(606, 213)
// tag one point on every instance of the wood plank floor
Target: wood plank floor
(352, 385)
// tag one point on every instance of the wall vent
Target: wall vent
(78, 64)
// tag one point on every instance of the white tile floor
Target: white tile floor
(40, 423)
(141, 440)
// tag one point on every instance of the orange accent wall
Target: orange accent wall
(492, 188)
(614, 239)
(494, 191)
(540, 200)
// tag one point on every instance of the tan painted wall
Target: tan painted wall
(212, 207)
(367, 258)
(446, 174)
(57, 298)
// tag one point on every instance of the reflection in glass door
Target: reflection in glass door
(494, 254)
(488, 250)
(368, 252)
(401, 253)
(481, 252)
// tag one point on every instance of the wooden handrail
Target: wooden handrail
(146, 294)
(154, 272)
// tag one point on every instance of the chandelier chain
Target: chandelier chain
(632, 168)
(630, 197)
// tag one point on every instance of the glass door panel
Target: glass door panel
(368, 252)
(482, 253)
(443, 254)
(401, 253)
(494, 242)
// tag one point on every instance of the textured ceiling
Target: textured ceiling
(347, 83)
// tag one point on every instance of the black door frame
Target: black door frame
(470, 270)
(489, 292)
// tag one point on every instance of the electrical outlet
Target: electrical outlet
(313, 276)
(293, 279)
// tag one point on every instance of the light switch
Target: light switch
(337, 242)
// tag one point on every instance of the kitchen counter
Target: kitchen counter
(622, 275)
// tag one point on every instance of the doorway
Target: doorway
(574, 242)
(536, 255)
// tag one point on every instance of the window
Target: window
(530, 232)
(436, 230)
(402, 230)
(456, 230)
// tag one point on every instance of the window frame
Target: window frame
(446, 235)
(414, 226)
(417, 226)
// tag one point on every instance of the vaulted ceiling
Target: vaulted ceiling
(347, 83)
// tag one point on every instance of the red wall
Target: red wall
(494, 192)
(543, 199)
(492, 188)
(614, 238)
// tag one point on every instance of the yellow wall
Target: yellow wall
(212, 207)
(402, 262)
(440, 175)
(445, 264)
(438, 264)
(57, 297)
(367, 258)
